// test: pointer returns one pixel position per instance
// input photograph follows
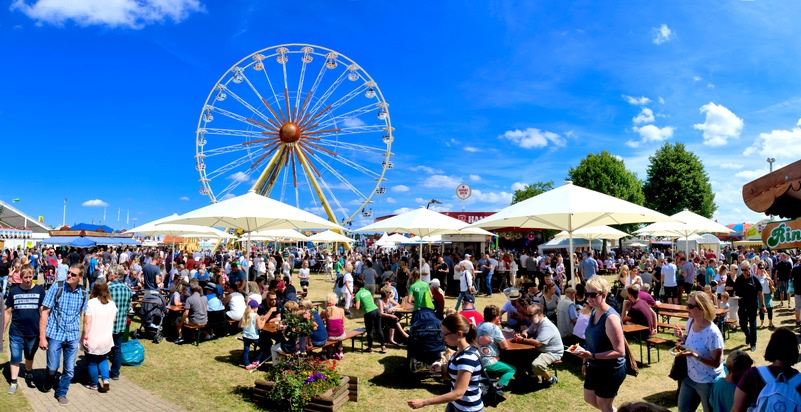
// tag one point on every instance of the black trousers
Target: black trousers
(748, 318)
(372, 322)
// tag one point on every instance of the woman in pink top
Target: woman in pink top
(97, 341)
(334, 318)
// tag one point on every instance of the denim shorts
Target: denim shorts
(19, 345)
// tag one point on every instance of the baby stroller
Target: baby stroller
(151, 313)
(425, 346)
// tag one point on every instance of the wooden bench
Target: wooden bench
(352, 335)
(667, 315)
(729, 326)
(661, 325)
(198, 329)
(554, 365)
(654, 342)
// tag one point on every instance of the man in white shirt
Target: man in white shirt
(669, 281)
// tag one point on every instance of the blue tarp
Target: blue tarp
(89, 241)
(90, 227)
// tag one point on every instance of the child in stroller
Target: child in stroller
(151, 313)
(426, 346)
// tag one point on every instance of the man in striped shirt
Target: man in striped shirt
(121, 295)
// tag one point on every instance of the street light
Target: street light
(433, 202)
(770, 162)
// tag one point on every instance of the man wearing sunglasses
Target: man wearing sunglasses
(747, 287)
(60, 329)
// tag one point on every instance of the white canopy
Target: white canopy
(685, 224)
(278, 235)
(594, 232)
(330, 237)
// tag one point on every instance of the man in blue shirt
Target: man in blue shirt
(60, 329)
(588, 267)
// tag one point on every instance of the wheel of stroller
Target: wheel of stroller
(158, 338)
(135, 334)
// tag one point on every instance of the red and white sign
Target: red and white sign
(463, 191)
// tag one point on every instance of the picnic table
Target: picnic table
(403, 313)
(630, 329)
(668, 310)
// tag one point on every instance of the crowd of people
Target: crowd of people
(549, 306)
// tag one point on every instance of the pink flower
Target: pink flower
(306, 316)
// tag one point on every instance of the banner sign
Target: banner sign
(782, 235)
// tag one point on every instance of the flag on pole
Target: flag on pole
(16, 199)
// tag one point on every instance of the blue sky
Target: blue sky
(101, 100)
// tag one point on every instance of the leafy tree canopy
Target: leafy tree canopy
(607, 174)
(531, 190)
(676, 181)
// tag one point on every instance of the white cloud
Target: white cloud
(710, 86)
(781, 144)
(426, 169)
(94, 203)
(660, 100)
(493, 197)
(390, 200)
(752, 174)
(651, 133)
(441, 181)
(239, 176)
(632, 143)
(696, 78)
(226, 197)
(662, 34)
(475, 178)
(133, 14)
(471, 149)
(184, 198)
(720, 125)
(518, 186)
(420, 200)
(618, 157)
(353, 122)
(731, 166)
(637, 101)
(400, 188)
(401, 210)
(532, 138)
(645, 116)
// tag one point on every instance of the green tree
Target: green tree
(531, 190)
(677, 181)
(607, 174)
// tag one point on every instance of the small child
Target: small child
(722, 396)
(581, 323)
(724, 304)
(250, 333)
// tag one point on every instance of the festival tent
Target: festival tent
(330, 237)
(562, 243)
(706, 241)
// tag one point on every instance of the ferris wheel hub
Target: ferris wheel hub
(289, 133)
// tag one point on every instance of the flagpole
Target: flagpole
(64, 218)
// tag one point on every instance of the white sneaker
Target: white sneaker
(12, 389)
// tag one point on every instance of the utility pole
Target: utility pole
(770, 163)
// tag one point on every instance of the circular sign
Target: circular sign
(463, 191)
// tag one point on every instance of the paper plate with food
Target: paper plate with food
(575, 348)
(678, 350)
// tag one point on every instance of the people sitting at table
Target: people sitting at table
(289, 345)
(334, 318)
(645, 294)
(544, 336)
(178, 294)
(532, 295)
(469, 310)
(251, 323)
(287, 291)
(253, 293)
(269, 313)
(386, 306)
(490, 342)
(566, 314)
(550, 300)
(636, 311)
(320, 335)
(388, 283)
(235, 302)
(215, 304)
(196, 309)
(515, 310)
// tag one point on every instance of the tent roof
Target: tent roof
(13, 217)
(91, 227)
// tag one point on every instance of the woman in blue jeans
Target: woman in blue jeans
(97, 338)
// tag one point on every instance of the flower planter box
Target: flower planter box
(330, 400)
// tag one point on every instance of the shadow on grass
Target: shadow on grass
(246, 394)
(395, 367)
(666, 399)
(234, 357)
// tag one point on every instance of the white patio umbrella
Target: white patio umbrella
(569, 208)
(330, 237)
(252, 212)
(594, 232)
(278, 234)
(421, 222)
(396, 238)
(158, 227)
(684, 224)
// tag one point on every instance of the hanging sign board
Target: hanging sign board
(463, 191)
(782, 235)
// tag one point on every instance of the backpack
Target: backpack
(779, 394)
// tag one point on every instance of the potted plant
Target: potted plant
(294, 382)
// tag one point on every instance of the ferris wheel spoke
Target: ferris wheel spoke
(314, 87)
(341, 209)
(348, 97)
(232, 165)
(353, 165)
(300, 84)
(247, 105)
(232, 115)
(338, 175)
(353, 114)
(236, 182)
(353, 146)
(234, 132)
(272, 89)
(353, 130)
(331, 89)
(225, 150)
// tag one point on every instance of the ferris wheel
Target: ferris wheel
(299, 123)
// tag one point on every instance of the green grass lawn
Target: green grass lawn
(212, 374)
(16, 402)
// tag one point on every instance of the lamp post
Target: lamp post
(770, 163)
